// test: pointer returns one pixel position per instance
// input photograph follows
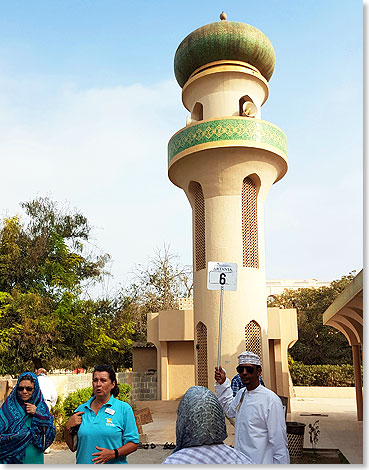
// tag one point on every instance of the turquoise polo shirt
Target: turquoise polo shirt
(113, 426)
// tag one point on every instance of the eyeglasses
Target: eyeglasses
(29, 389)
(249, 369)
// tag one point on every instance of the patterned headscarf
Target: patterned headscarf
(200, 419)
(248, 357)
(14, 435)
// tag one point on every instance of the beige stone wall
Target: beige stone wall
(175, 325)
(181, 369)
(282, 334)
(144, 359)
(220, 88)
(172, 332)
(177, 360)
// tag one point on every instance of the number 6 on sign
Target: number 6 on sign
(222, 279)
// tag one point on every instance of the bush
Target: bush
(75, 399)
(322, 375)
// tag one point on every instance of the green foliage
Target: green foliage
(317, 343)
(75, 399)
(46, 255)
(43, 273)
(322, 375)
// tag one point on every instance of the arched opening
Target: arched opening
(197, 112)
(242, 101)
(202, 354)
(198, 211)
(250, 251)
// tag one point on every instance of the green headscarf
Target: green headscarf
(200, 419)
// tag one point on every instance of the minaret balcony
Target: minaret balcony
(228, 132)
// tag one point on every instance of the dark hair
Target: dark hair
(27, 377)
(108, 368)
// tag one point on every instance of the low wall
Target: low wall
(144, 384)
(324, 392)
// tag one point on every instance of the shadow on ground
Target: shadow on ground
(321, 456)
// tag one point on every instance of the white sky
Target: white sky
(88, 102)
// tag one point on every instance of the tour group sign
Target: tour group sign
(221, 276)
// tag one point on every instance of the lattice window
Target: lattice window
(249, 224)
(199, 225)
(253, 338)
(202, 355)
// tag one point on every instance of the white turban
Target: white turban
(248, 357)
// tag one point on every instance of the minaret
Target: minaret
(226, 159)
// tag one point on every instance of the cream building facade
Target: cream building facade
(225, 159)
(277, 286)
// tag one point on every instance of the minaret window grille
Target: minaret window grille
(202, 354)
(253, 338)
(198, 209)
(249, 224)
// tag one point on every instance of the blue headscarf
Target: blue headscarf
(200, 419)
(14, 435)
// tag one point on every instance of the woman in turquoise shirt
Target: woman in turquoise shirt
(26, 425)
(105, 427)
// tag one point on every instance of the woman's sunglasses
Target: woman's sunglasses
(29, 389)
(249, 369)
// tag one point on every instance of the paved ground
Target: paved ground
(338, 430)
(141, 456)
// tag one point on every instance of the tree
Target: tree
(48, 254)
(317, 343)
(156, 287)
(44, 269)
(45, 273)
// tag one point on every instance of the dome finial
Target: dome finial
(223, 16)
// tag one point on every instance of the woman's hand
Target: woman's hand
(30, 408)
(74, 420)
(104, 455)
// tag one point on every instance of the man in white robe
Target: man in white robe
(260, 428)
(48, 392)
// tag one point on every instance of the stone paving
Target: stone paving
(141, 456)
(339, 430)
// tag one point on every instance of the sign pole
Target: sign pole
(220, 323)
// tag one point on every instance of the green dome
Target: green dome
(224, 40)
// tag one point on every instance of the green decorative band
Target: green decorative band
(246, 131)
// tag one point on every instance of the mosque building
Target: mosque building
(225, 159)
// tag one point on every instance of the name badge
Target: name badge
(109, 411)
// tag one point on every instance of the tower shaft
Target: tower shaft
(226, 163)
